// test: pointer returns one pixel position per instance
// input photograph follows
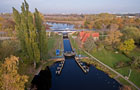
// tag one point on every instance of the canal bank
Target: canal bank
(73, 78)
(121, 79)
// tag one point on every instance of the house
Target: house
(95, 36)
(85, 35)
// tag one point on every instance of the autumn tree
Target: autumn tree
(113, 38)
(1, 24)
(127, 46)
(10, 79)
(7, 48)
(98, 25)
(113, 27)
(86, 24)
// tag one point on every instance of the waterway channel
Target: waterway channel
(73, 78)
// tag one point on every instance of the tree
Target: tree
(127, 46)
(7, 48)
(89, 44)
(113, 27)
(31, 33)
(113, 38)
(9, 77)
(42, 40)
(98, 24)
(86, 24)
(131, 32)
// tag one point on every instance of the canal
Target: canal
(73, 78)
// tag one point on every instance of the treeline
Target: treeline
(29, 49)
(7, 25)
(129, 27)
(65, 18)
(106, 21)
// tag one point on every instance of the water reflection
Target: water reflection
(60, 26)
(73, 78)
(42, 81)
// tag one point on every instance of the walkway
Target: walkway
(112, 70)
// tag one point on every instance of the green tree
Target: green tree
(9, 77)
(31, 33)
(131, 32)
(42, 40)
(127, 46)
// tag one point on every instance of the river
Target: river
(73, 78)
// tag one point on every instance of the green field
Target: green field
(135, 52)
(110, 58)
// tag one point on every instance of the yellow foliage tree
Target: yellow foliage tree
(9, 77)
(127, 46)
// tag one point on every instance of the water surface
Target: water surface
(73, 78)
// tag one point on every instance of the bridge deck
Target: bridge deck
(69, 53)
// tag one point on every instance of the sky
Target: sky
(74, 6)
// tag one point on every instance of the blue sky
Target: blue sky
(75, 6)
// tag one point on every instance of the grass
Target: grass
(135, 77)
(99, 66)
(135, 52)
(54, 42)
(48, 63)
(76, 47)
(124, 71)
(124, 82)
(110, 58)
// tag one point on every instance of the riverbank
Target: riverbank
(26, 68)
(102, 58)
(66, 22)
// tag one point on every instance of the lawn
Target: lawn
(135, 52)
(124, 82)
(110, 58)
(135, 77)
(54, 42)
